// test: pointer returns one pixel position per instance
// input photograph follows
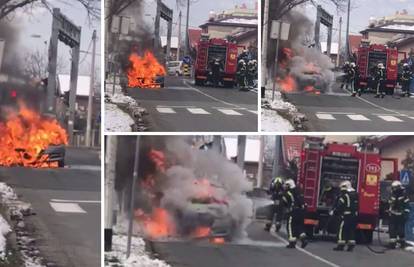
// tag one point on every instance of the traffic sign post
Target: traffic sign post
(405, 177)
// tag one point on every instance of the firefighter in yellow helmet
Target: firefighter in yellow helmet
(399, 210)
(276, 192)
(295, 209)
(346, 207)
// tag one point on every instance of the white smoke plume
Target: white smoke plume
(188, 166)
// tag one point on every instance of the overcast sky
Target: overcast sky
(361, 11)
(199, 11)
(40, 23)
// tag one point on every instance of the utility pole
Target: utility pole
(276, 156)
(132, 200)
(179, 37)
(73, 92)
(260, 169)
(110, 162)
(91, 93)
(241, 150)
(157, 25)
(339, 42)
(187, 45)
(265, 40)
(347, 32)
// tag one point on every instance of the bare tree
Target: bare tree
(37, 63)
(8, 7)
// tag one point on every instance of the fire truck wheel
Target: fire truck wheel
(364, 236)
(199, 82)
(309, 230)
(228, 84)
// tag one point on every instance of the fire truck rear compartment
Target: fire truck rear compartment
(217, 52)
(374, 58)
(334, 170)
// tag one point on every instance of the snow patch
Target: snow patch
(410, 248)
(273, 122)
(116, 120)
(4, 230)
(138, 258)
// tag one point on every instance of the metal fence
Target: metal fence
(79, 138)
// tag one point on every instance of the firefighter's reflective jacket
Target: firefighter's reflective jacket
(399, 204)
(346, 203)
(293, 200)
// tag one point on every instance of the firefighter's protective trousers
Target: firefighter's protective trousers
(346, 231)
(397, 228)
(295, 224)
(276, 213)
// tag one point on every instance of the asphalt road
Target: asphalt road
(337, 111)
(182, 106)
(268, 250)
(67, 205)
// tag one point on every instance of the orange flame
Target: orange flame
(144, 70)
(158, 157)
(201, 231)
(25, 134)
(158, 224)
(217, 240)
(288, 84)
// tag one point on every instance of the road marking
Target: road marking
(165, 110)
(197, 111)
(212, 97)
(254, 111)
(390, 118)
(67, 207)
(230, 112)
(375, 105)
(337, 113)
(305, 251)
(325, 116)
(358, 117)
(75, 201)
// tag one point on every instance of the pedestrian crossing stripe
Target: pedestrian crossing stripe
(203, 111)
(198, 111)
(324, 116)
(360, 117)
(67, 207)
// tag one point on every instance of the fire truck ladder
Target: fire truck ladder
(311, 172)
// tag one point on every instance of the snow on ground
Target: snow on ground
(116, 120)
(271, 119)
(4, 230)
(138, 258)
(273, 122)
(411, 247)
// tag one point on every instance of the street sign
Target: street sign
(405, 177)
(284, 33)
(116, 23)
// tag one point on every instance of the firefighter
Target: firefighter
(241, 74)
(276, 193)
(351, 78)
(295, 208)
(345, 69)
(380, 78)
(356, 87)
(406, 78)
(245, 55)
(346, 207)
(216, 69)
(399, 210)
(251, 73)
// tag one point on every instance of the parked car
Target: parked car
(174, 68)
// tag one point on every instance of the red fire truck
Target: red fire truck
(210, 49)
(369, 56)
(322, 167)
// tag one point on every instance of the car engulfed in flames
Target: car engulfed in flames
(29, 139)
(145, 71)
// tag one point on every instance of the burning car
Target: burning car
(29, 139)
(145, 71)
